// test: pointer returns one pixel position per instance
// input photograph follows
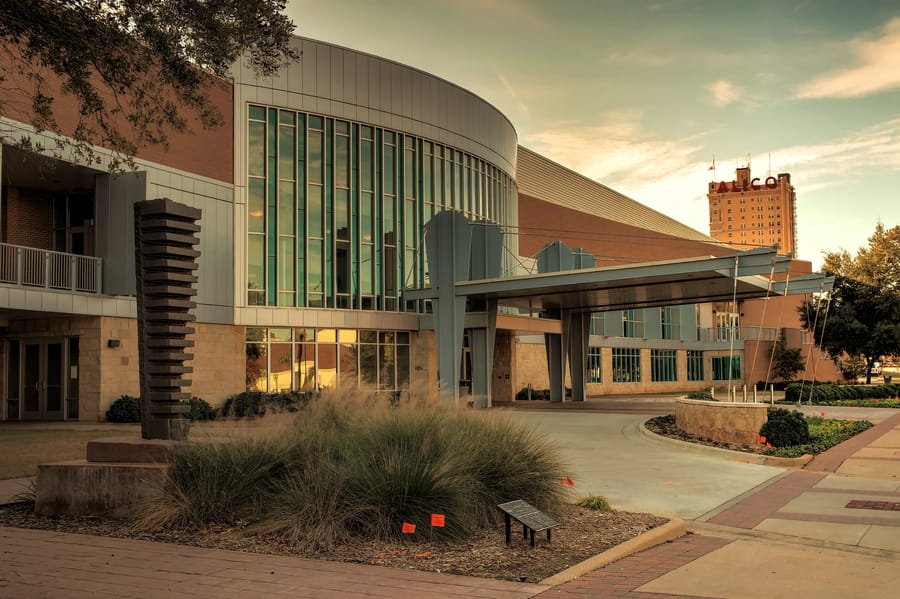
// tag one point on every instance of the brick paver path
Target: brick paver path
(621, 578)
(51, 564)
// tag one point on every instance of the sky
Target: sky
(643, 96)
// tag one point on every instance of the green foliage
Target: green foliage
(786, 361)
(146, 65)
(215, 483)
(853, 367)
(823, 434)
(825, 394)
(257, 403)
(862, 320)
(785, 427)
(125, 409)
(595, 502)
(199, 409)
(347, 468)
(701, 395)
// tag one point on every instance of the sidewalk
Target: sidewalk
(827, 532)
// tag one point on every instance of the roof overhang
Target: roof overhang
(737, 276)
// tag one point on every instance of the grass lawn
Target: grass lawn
(21, 450)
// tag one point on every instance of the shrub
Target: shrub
(257, 403)
(360, 467)
(125, 409)
(214, 483)
(785, 428)
(199, 409)
(595, 502)
(823, 434)
(702, 395)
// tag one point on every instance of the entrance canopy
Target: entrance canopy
(458, 249)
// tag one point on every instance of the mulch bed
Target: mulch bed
(582, 534)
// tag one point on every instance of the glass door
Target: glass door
(43, 385)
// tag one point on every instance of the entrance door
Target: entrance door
(42, 380)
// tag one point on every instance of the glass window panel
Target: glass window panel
(286, 117)
(347, 336)
(280, 367)
(366, 269)
(368, 365)
(287, 146)
(626, 364)
(315, 122)
(258, 113)
(594, 360)
(365, 166)
(256, 152)
(366, 200)
(347, 353)
(286, 264)
(256, 205)
(305, 366)
(286, 210)
(342, 161)
(402, 366)
(256, 365)
(386, 337)
(386, 367)
(314, 210)
(304, 334)
(663, 365)
(694, 365)
(389, 169)
(326, 365)
(403, 338)
(342, 213)
(256, 273)
(314, 267)
(368, 336)
(314, 159)
(389, 207)
(327, 336)
(342, 127)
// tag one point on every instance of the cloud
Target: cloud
(671, 175)
(517, 99)
(877, 68)
(724, 92)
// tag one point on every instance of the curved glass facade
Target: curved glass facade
(336, 209)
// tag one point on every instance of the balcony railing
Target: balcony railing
(31, 267)
(725, 334)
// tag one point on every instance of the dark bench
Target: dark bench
(532, 519)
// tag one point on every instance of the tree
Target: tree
(861, 319)
(876, 264)
(786, 361)
(133, 70)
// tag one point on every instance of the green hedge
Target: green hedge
(823, 434)
(257, 403)
(785, 428)
(826, 393)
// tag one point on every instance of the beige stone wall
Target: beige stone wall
(219, 362)
(721, 421)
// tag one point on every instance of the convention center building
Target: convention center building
(316, 196)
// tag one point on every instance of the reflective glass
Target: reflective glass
(256, 152)
(256, 205)
(286, 148)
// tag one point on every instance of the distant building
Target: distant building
(750, 212)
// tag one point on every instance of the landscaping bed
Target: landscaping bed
(582, 533)
(824, 433)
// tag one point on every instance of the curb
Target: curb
(753, 458)
(669, 531)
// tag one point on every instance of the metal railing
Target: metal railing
(32, 267)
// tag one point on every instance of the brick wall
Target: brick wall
(27, 219)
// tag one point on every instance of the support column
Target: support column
(481, 345)
(578, 326)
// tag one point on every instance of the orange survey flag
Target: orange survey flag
(408, 528)
(567, 482)
(437, 520)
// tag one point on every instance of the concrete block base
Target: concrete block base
(119, 474)
(82, 488)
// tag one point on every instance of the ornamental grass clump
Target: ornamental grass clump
(356, 466)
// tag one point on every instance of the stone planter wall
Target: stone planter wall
(721, 421)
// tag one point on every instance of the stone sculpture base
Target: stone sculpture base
(117, 477)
